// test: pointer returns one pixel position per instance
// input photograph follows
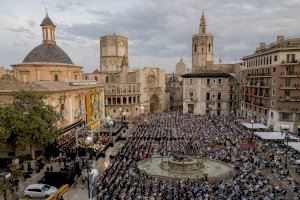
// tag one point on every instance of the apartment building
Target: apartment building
(271, 84)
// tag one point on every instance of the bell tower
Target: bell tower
(202, 48)
(48, 29)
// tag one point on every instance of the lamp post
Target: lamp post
(252, 129)
(286, 139)
(209, 108)
(110, 122)
(88, 141)
(141, 110)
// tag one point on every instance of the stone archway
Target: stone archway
(154, 103)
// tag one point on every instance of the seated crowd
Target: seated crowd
(211, 137)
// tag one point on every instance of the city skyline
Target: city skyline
(158, 32)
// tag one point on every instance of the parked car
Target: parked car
(39, 191)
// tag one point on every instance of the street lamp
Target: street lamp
(252, 128)
(88, 141)
(110, 123)
(209, 107)
(286, 139)
(141, 109)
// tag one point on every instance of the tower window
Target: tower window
(55, 77)
(208, 47)
(195, 48)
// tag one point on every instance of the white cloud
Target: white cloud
(158, 31)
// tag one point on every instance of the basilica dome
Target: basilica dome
(48, 52)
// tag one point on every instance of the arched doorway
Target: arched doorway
(154, 103)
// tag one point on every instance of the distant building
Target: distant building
(271, 84)
(174, 86)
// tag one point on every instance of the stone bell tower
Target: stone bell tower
(202, 48)
(113, 51)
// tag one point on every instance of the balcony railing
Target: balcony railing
(289, 86)
(290, 62)
(249, 75)
(289, 98)
(290, 74)
(289, 110)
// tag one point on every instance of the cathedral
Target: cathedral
(128, 92)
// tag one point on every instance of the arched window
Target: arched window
(129, 100)
(195, 48)
(106, 79)
(124, 100)
(138, 99)
(118, 100)
(133, 99)
(208, 47)
(109, 101)
(96, 78)
(114, 101)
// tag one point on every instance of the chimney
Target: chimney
(262, 45)
(280, 39)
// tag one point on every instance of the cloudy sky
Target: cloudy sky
(159, 31)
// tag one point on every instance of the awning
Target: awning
(270, 135)
(273, 135)
(294, 145)
(254, 126)
(284, 127)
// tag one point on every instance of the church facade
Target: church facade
(48, 70)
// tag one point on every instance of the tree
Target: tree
(28, 121)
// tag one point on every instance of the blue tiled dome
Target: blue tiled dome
(47, 21)
(48, 53)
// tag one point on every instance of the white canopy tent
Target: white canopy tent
(295, 145)
(255, 125)
(273, 135)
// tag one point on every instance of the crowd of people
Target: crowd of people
(212, 137)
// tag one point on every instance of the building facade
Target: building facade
(271, 84)
(174, 86)
(48, 70)
(210, 88)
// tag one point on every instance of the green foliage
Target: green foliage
(28, 120)
(5, 186)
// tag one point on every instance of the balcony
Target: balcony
(290, 62)
(257, 104)
(289, 86)
(289, 110)
(289, 98)
(259, 75)
(288, 74)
